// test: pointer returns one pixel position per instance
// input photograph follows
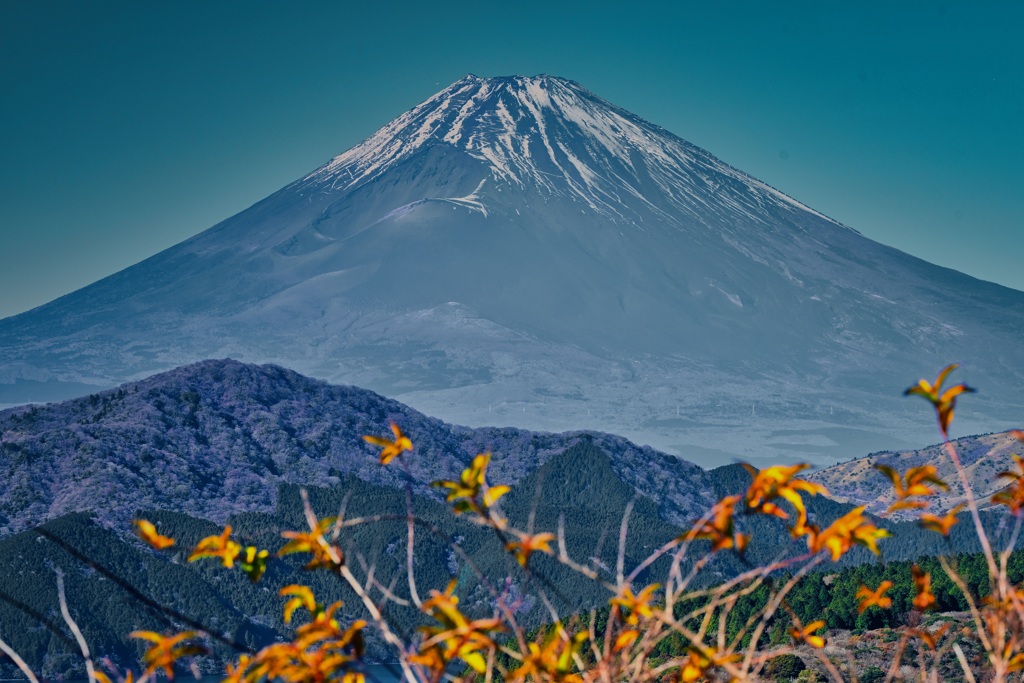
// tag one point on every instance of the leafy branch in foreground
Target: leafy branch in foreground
(676, 629)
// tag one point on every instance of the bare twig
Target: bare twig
(620, 562)
(77, 632)
(968, 674)
(19, 662)
(357, 586)
(410, 535)
(972, 505)
(161, 611)
(775, 603)
(979, 622)
(39, 617)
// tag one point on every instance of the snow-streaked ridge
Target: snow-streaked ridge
(551, 135)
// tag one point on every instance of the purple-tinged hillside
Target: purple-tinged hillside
(218, 437)
(983, 456)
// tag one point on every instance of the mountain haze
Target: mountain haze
(520, 251)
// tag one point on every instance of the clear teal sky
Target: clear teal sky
(127, 127)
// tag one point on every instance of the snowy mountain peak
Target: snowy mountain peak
(518, 250)
(551, 135)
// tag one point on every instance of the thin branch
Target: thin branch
(410, 535)
(37, 616)
(379, 620)
(342, 509)
(563, 555)
(357, 586)
(830, 666)
(897, 657)
(66, 613)
(409, 554)
(979, 622)
(163, 612)
(653, 557)
(963, 663)
(620, 561)
(773, 606)
(972, 505)
(371, 581)
(6, 649)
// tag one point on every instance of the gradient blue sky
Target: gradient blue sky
(128, 126)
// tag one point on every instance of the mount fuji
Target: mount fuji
(519, 251)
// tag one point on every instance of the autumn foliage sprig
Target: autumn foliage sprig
(628, 643)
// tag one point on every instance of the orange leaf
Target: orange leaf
(943, 524)
(874, 598)
(804, 635)
(528, 544)
(915, 482)
(148, 533)
(851, 529)
(719, 528)
(626, 639)
(1013, 495)
(924, 599)
(944, 402)
(166, 650)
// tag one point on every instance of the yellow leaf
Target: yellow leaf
(254, 562)
(493, 493)
(475, 660)
(391, 448)
(639, 605)
(471, 492)
(302, 597)
(779, 482)
(325, 554)
(219, 547)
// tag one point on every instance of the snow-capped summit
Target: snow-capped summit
(520, 251)
(552, 136)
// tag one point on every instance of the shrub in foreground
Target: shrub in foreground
(677, 629)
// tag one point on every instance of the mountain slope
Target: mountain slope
(984, 457)
(520, 251)
(217, 438)
(225, 442)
